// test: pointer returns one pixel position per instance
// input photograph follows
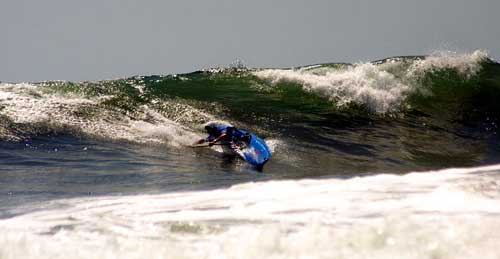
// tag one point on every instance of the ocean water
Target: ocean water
(396, 158)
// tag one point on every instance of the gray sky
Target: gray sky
(103, 39)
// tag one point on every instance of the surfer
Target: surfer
(227, 135)
(238, 142)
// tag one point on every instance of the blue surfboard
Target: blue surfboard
(256, 152)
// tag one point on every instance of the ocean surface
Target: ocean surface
(395, 158)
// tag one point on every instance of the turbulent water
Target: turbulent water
(362, 166)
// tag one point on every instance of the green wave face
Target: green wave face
(396, 110)
(448, 95)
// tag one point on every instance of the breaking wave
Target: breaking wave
(170, 109)
(380, 86)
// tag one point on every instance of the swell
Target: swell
(441, 90)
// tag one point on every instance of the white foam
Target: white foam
(363, 83)
(441, 214)
(31, 104)
(380, 87)
(467, 64)
(275, 144)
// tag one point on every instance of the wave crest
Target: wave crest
(381, 87)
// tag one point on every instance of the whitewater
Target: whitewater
(440, 214)
(396, 158)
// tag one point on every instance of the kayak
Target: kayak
(255, 151)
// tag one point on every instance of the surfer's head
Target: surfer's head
(214, 126)
(210, 129)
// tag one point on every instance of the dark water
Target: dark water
(62, 166)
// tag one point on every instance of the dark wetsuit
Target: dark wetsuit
(235, 139)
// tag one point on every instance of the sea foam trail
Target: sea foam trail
(440, 214)
(379, 87)
(40, 110)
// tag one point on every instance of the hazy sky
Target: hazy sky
(103, 39)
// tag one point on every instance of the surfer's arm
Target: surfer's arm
(208, 139)
(203, 140)
(211, 143)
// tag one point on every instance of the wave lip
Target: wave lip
(379, 86)
(468, 64)
(366, 84)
